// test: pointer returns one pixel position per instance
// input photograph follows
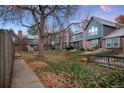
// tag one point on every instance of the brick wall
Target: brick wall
(103, 44)
(122, 42)
(118, 49)
(20, 35)
(19, 47)
(88, 44)
(84, 41)
(64, 42)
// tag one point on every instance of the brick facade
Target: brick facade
(121, 48)
(64, 39)
(18, 48)
(122, 43)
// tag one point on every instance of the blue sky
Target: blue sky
(108, 12)
(104, 11)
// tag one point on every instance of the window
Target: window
(73, 38)
(80, 36)
(116, 42)
(74, 45)
(80, 45)
(93, 31)
(65, 38)
(94, 43)
(109, 43)
(113, 42)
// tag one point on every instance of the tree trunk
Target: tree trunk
(41, 37)
(41, 47)
(41, 33)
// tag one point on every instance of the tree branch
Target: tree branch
(37, 11)
(24, 8)
(72, 24)
(49, 13)
(25, 24)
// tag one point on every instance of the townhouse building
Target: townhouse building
(56, 41)
(49, 42)
(95, 31)
(103, 34)
(77, 40)
(97, 34)
(114, 40)
(62, 39)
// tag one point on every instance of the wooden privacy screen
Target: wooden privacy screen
(6, 58)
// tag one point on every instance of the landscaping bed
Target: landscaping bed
(65, 69)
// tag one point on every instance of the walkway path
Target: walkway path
(23, 76)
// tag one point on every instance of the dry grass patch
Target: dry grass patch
(56, 58)
(37, 64)
(60, 80)
(32, 60)
(29, 56)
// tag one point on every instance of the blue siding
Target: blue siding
(96, 25)
(77, 37)
(107, 30)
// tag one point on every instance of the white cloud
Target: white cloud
(106, 8)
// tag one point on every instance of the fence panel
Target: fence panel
(107, 60)
(6, 58)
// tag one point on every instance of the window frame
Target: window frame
(109, 42)
(118, 39)
(113, 42)
(93, 30)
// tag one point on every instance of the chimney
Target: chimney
(85, 23)
(20, 35)
(20, 40)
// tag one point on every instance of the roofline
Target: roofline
(112, 37)
(109, 26)
(88, 23)
(77, 33)
(103, 19)
(98, 18)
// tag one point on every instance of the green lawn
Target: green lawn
(65, 69)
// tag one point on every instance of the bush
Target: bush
(25, 48)
(89, 49)
(69, 48)
(81, 49)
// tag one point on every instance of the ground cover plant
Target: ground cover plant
(65, 69)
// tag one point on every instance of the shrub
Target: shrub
(25, 48)
(89, 49)
(81, 49)
(69, 48)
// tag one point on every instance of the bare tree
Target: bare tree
(40, 13)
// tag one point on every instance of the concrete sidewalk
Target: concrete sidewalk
(23, 76)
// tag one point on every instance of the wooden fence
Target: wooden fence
(6, 58)
(113, 61)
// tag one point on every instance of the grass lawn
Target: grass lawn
(65, 69)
